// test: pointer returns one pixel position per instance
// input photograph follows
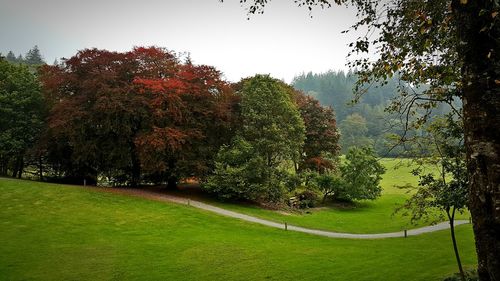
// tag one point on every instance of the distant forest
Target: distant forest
(365, 123)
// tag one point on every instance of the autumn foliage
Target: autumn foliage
(135, 115)
(151, 116)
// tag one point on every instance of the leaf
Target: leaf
(463, 2)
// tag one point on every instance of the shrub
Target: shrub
(362, 173)
(331, 184)
(240, 173)
(308, 198)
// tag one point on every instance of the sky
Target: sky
(284, 42)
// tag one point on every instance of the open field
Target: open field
(365, 217)
(56, 232)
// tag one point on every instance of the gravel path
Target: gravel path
(197, 204)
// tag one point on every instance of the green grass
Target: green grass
(365, 217)
(56, 232)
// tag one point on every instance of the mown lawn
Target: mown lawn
(56, 232)
(364, 217)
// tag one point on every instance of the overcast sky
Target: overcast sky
(285, 41)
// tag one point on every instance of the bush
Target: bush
(240, 173)
(308, 198)
(361, 173)
(331, 184)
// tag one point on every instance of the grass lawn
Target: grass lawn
(366, 216)
(57, 232)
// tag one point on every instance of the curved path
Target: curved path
(197, 204)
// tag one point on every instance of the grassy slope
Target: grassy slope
(367, 217)
(55, 232)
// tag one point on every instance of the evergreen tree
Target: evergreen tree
(11, 57)
(34, 57)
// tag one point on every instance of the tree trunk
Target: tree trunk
(172, 178)
(451, 219)
(21, 168)
(172, 182)
(17, 168)
(479, 31)
(136, 168)
(40, 168)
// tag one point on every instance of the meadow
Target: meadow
(361, 217)
(58, 232)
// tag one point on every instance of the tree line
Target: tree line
(150, 116)
(367, 121)
(33, 57)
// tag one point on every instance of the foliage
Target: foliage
(452, 47)
(270, 139)
(271, 121)
(308, 198)
(240, 173)
(361, 173)
(321, 135)
(448, 190)
(354, 132)
(33, 57)
(191, 118)
(22, 116)
(332, 184)
(139, 114)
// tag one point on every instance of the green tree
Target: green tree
(11, 57)
(21, 116)
(34, 57)
(453, 46)
(240, 173)
(353, 132)
(331, 184)
(361, 173)
(268, 143)
(271, 121)
(357, 179)
(446, 191)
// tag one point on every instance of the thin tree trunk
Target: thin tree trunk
(40, 168)
(21, 168)
(172, 178)
(479, 30)
(451, 219)
(172, 182)
(136, 168)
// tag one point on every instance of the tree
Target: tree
(322, 136)
(446, 191)
(353, 132)
(11, 57)
(453, 46)
(34, 57)
(191, 117)
(272, 134)
(357, 179)
(361, 173)
(95, 115)
(21, 116)
(133, 115)
(240, 173)
(271, 121)
(331, 184)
